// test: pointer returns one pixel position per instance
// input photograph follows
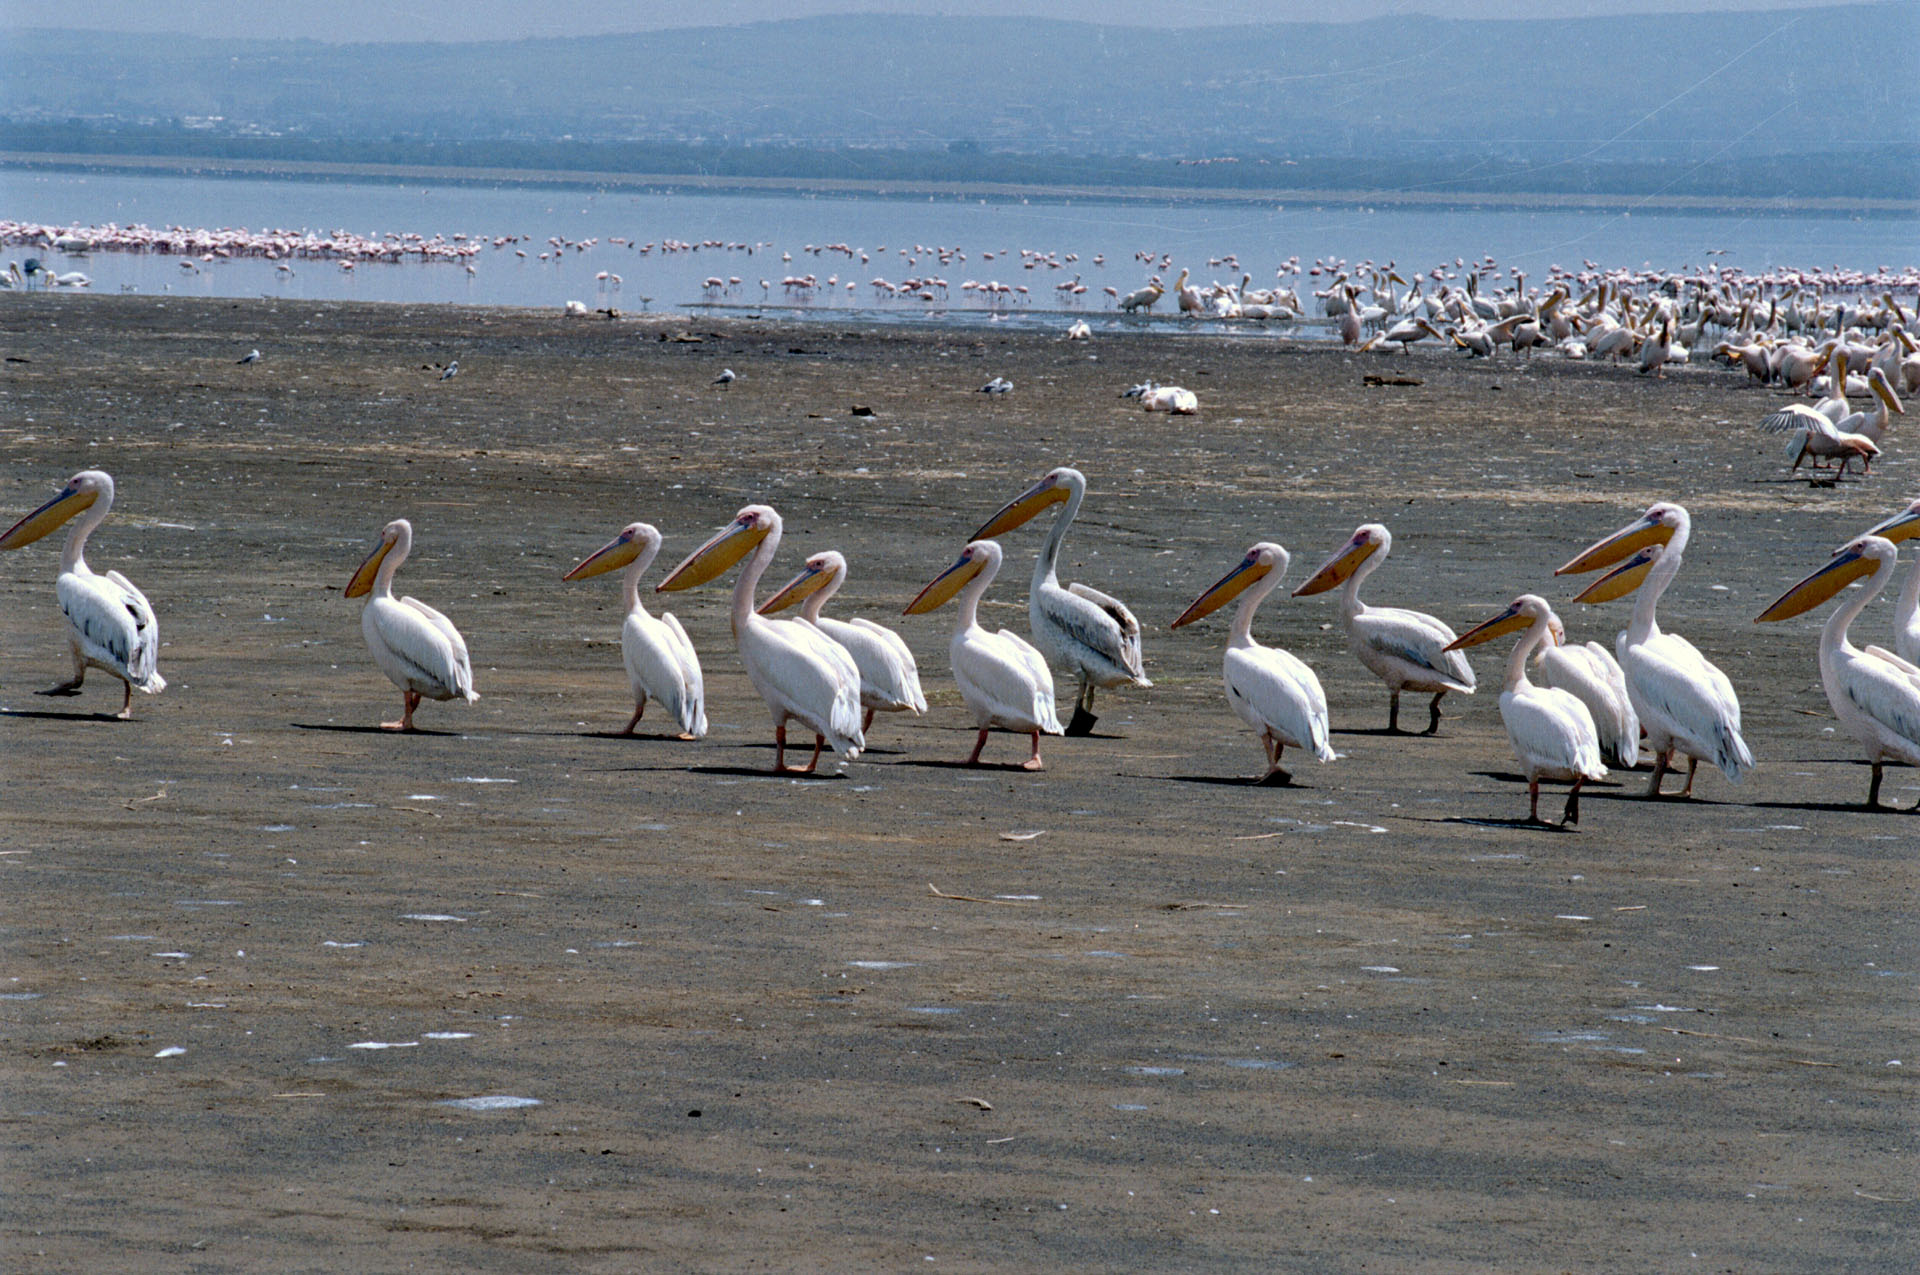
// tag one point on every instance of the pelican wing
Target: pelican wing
(1887, 689)
(114, 625)
(1593, 677)
(803, 673)
(463, 683)
(887, 665)
(1004, 680)
(1682, 693)
(1277, 694)
(692, 680)
(1415, 638)
(1552, 732)
(661, 665)
(1102, 623)
(1795, 416)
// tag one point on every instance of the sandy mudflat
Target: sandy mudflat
(1364, 1023)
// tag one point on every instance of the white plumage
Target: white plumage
(1591, 675)
(889, 678)
(110, 624)
(660, 660)
(415, 646)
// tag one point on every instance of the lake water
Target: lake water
(1263, 237)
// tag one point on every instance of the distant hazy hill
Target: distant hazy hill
(1638, 87)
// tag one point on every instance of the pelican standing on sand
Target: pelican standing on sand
(110, 624)
(415, 646)
(800, 672)
(661, 663)
(1906, 611)
(1685, 703)
(1408, 650)
(1082, 630)
(1003, 679)
(1874, 692)
(1551, 730)
(1591, 675)
(1267, 688)
(889, 679)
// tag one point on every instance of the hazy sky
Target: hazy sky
(365, 20)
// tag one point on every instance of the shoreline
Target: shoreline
(305, 170)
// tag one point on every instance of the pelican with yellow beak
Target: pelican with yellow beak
(415, 646)
(1685, 703)
(1551, 730)
(800, 672)
(1590, 674)
(110, 624)
(1003, 679)
(1906, 612)
(1408, 650)
(889, 679)
(1267, 688)
(1874, 693)
(661, 663)
(1083, 631)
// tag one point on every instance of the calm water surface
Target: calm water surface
(1262, 237)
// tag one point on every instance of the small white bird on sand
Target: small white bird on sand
(251, 356)
(726, 378)
(998, 385)
(452, 370)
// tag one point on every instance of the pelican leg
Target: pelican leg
(72, 685)
(973, 758)
(1873, 789)
(1276, 776)
(780, 748)
(412, 701)
(1693, 764)
(634, 721)
(813, 761)
(1393, 714)
(866, 722)
(1533, 801)
(1572, 813)
(1083, 718)
(1033, 762)
(126, 705)
(1660, 763)
(1433, 723)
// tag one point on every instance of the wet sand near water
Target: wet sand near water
(1153, 1018)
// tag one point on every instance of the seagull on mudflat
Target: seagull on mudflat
(453, 370)
(725, 378)
(251, 356)
(998, 385)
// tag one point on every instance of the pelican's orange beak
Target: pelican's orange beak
(48, 517)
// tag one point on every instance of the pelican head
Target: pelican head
(363, 575)
(981, 555)
(1057, 486)
(1522, 613)
(1262, 560)
(81, 491)
(820, 571)
(733, 542)
(1368, 539)
(1861, 556)
(634, 539)
(1657, 526)
(1883, 390)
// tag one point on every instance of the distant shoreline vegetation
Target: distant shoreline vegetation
(1876, 184)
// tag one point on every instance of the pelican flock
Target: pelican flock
(110, 623)
(415, 646)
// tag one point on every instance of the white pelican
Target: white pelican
(110, 624)
(799, 671)
(1591, 675)
(889, 679)
(1874, 693)
(1082, 630)
(1267, 688)
(1906, 612)
(1551, 730)
(415, 646)
(661, 663)
(1003, 679)
(1408, 650)
(1685, 704)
